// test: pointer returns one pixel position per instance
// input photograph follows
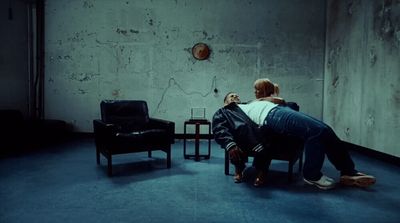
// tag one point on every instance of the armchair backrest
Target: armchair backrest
(129, 114)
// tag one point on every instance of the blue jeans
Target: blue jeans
(319, 139)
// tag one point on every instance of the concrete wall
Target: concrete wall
(362, 73)
(141, 49)
(14, 56)
(104, 49)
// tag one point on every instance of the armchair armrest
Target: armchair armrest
(163, 124)
(160, 122)
(102, 129)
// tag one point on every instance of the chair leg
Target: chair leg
(226, 163)
(301, 162)
(268, 164)
(169, 157)
(290, 171)
(97, 156)
(109, 165)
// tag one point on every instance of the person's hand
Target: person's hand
(278, 100)
(235, 154)
(275, 100)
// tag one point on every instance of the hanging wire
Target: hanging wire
(173, 82)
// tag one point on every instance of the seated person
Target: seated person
(239, 136)
(236, 128)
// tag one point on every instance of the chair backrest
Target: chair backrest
(293, 105)
(130, 114)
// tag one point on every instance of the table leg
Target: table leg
(197, 142)
(209, 141)
(184, 141)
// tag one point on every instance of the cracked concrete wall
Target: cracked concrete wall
(362, 73)
(126, 49)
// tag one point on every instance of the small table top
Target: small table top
(194, 121)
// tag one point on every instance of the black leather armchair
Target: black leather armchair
(125, 127)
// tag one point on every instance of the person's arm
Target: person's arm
(224, 137)
(275, 100)
(222, 132)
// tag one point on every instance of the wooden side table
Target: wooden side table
(197, 137)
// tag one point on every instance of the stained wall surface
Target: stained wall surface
(362, 73)
(141, 49)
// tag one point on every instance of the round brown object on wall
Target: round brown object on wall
(200, 51)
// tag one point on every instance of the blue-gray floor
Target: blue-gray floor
(64, 184)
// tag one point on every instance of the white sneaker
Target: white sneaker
(324, 183)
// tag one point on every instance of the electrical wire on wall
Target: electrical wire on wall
(173, 82)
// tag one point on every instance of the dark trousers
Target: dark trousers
(319, 140)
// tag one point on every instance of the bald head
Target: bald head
(231, 97)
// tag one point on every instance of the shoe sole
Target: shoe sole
(237, 179)
(320, 186)
(359, 181)
(258, 182)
